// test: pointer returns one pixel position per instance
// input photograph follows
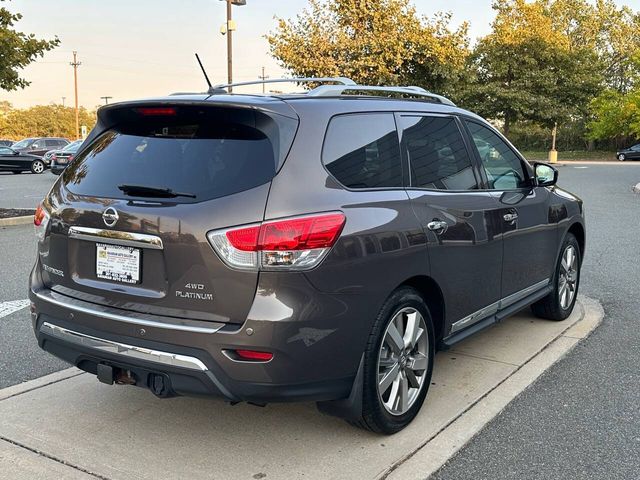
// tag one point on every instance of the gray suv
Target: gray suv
(302, 247)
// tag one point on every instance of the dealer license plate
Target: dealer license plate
(117, 263)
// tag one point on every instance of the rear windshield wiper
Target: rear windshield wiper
(145, 191)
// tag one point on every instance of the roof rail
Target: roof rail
(338, 90)
(340, 80)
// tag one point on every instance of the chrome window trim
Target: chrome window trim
(495, 307)
(114, 237)
(123, 349)
(126, 319)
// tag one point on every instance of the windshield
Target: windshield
(212, 154)
(73, 146)
(23, 143)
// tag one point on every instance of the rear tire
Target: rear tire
(398, 363)
(559, 304)
(37, 166)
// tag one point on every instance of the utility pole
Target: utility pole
(263, 77)
(75, 64)
(63, 99)
(106, 100)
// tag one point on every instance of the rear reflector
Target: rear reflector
(156, 111)
(253, 355)
(294, 243)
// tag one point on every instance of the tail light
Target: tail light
(54, 156)
(41, 221)
(298, 243)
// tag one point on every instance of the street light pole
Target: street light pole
(106, 100)
(229, 47)
(227, 29)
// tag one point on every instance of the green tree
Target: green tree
(527, 69)
(17, 50)
(372, 42)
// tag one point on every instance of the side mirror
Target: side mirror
(545, 175)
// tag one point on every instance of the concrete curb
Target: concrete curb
(25, 387)
(441, 448)
(9, 222)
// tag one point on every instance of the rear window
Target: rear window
(205, 152)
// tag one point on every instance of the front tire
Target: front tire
(37, 166)
(622, 157)
(398, 363)
(559, 304)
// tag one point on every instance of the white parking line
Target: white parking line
(7, 308)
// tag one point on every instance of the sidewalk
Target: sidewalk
(76, 427)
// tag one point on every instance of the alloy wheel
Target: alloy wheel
(568, 280)
(38, 167)
(403, 361)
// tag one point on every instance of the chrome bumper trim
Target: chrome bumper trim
(47, 297)
(114, 237)
(122, 349)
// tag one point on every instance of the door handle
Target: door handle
(437, 226)
(510, 217)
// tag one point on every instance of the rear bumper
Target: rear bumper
(311, 359)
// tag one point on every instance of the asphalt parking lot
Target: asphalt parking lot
(24, 190)
(580, 420)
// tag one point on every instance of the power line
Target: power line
(106, 99)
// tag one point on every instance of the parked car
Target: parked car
(40, 145)
(13, 161)
(60, 158)
(309, 247)
(631, 153)
(6, 143)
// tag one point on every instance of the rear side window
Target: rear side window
(438, 157)
(206, 153)
(362, 151)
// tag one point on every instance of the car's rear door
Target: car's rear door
(527, 218)
(461, 222)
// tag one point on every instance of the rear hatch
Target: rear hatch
(130, 214)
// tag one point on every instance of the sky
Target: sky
(144, 48)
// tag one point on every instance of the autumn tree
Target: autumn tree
(376, 42)
(17, 50)
(43, 121)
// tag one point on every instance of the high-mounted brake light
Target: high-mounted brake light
(156, 111)
(294, 243)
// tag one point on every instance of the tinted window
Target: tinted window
(209, 154)
(437, 154)
(362, 151)
(504, 169)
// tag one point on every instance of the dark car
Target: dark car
(13, 161)
(308, 247)
(6, 143)
(631, 153)
(60, 158)
(40, 145)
